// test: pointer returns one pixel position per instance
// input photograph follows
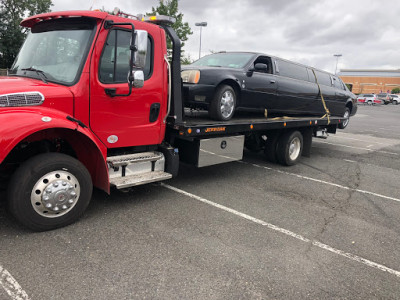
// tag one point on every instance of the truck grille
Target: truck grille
(21, 99)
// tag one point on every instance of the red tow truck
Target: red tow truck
(93, 100)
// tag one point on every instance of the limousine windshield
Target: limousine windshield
(226, 60)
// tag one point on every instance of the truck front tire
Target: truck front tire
(48, 191)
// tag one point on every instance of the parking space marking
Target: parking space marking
(349, 160)
(359, 148)
(11, 286)
(341, 136)
(287, 232)
(323, 182)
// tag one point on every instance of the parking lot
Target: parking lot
(327, 228)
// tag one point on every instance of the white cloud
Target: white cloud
(365, 32)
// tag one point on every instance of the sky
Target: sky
(364, 32)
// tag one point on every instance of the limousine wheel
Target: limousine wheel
(224, 103)
(290, 147)
(346, 119)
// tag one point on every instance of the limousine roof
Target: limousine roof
(272, 56)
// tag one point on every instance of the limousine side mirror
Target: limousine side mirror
(259, 67)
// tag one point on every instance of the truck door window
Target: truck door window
(114, 63)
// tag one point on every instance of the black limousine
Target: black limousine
(227, 81)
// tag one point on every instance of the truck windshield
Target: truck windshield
(226, 60)
(55, 51)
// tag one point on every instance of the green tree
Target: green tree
(396, 90)
(170, 8)
(12, 35)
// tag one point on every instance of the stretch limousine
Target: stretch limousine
(225, 82)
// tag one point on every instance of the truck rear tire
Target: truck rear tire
(270, 149)
(289, 148)
(48, 191)
(223, 105)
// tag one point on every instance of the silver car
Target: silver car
(370, 99)
(396, 99)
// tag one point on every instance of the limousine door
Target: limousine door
(260, 86)
(296, 93)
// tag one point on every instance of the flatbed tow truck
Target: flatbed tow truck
(71, 122)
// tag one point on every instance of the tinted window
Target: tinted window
(368, 95)
(323, 78)
(338, 83)
(292, 70)
(311, 76)
(114, 63)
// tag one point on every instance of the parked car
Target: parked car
(225, 82)
(370, 99)
(395, 99)
(386, 98)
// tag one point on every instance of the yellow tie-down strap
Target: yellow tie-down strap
(327, 112)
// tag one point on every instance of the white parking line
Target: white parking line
(359, 148)
(323, 182)
(349, 160)
(287, 232)
(11, 286)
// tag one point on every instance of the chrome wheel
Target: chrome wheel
(227, 104)
(55, 194)
(346, 117)
(294, 148)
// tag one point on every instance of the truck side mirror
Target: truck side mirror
(141, 49)
(136, 79)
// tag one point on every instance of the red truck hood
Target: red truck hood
(56, 96)
(11, 85)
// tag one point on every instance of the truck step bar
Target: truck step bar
(133, 180)
(136, 169)
(124, 160)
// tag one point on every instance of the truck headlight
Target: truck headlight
(190, 76)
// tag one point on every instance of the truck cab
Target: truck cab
(90, 88)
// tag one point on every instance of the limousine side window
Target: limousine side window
(338, 83)
(292, 70)
(264, 60)
(311, 76)
(323, 78)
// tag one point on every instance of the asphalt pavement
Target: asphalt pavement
(327, 228)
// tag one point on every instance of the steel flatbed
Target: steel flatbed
(197, 124)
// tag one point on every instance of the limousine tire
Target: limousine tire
(223, 105)
(346, 119)
(289, 148)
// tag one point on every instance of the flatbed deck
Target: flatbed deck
(197, 124)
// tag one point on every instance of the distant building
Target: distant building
(371, 81)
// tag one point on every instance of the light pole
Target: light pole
(201, 25)
(337, 60)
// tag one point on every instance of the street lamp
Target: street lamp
(201, 25)
(337, 59)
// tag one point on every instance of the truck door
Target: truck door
(124, 121)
